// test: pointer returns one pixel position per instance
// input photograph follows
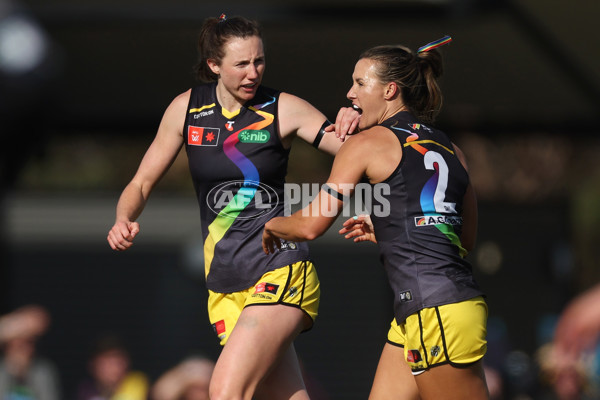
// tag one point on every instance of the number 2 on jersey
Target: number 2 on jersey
(434, 192)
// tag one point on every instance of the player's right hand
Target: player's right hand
(121, 235)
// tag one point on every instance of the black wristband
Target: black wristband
(332, 192)
(320, 134)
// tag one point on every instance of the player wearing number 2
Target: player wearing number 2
(437, 338)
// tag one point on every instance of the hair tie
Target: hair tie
(222, 18)
(436, 43)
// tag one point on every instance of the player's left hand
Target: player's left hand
(359, 228)
(346, 123)
(270, 242)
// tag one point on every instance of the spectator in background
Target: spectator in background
(23, 374)
(189, 380)
(570, 362)
(111, 377)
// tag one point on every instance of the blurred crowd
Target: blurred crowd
(27, 375)
(566, 366)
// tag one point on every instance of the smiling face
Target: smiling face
(240, 71)
(367, 93)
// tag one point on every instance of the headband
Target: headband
(436, 43)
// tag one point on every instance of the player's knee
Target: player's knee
(220, 389)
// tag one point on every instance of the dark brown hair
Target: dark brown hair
(416, 75)
(214, 34)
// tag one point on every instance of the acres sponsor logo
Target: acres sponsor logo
(426, 220)
(229, 199)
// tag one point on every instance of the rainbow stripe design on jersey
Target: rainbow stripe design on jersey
(429, 189)
(227, 216)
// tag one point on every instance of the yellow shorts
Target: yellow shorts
(450, 334)
(296, 285)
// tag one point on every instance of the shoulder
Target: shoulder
(375, 151)
(175, 114)
(291, 101)
(180, 102)
(376, 138)
(298, 117)
(182, 98)
(294, 108)
(461, 156)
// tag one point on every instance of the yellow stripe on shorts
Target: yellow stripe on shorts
(295, 285)
(449, 334)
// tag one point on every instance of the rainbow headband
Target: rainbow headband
(436, 43)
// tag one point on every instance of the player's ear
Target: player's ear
(391, 90)
(214, 66)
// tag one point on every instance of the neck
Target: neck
(227, 100)
(393, 110)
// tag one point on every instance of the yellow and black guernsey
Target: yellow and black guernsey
(238, 165)
(419, 223)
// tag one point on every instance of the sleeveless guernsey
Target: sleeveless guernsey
(419, 240)
(238, 166)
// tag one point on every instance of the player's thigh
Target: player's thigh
(260, 338)
(393, 378)
(453, 383)
(285, 380)
(295, 285)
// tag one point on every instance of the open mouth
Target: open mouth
(249, 87)
(357, 108)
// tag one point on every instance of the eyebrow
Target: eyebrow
(247, 60)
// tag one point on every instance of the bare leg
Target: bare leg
(285, 380)
(449, 383)
(260, 341)
(393, 379)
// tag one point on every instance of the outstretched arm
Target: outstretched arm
(157, 160)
